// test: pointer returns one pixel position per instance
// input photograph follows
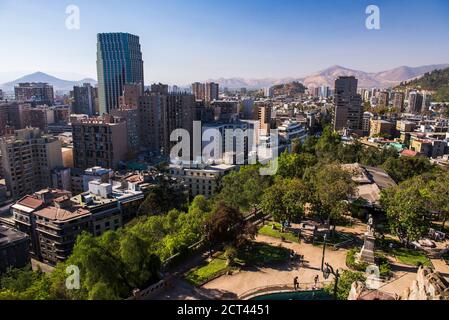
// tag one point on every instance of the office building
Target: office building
(119, 62)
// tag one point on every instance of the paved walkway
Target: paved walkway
(246, 280)
(233, 286)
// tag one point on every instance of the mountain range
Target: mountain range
(384, 79)
(58, 84)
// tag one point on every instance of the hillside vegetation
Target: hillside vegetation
(437, 81)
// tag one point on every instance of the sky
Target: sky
(195, 40)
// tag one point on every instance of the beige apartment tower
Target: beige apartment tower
(101, 141)
(28, 159)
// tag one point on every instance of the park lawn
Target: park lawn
(207, 271)
(257, 255)
(263, 254)
(276, 233)
(410, 257)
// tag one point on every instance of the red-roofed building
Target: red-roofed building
(409, 153)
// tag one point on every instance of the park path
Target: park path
(247, 280)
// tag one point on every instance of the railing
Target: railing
(280, 288)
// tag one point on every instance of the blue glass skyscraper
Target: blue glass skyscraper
(119, 62)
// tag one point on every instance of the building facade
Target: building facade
(35, 92)
(348, 112)
(100, 141)
(28, 160)
(119, 62)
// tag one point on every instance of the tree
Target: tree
(227, 226)
(407, 208)
(327, 145)
(347, 278)
(291, 165)
(243, 189)
(332, 189)
(285, 200)
(161, 199)
(404, 168)
(439, 199)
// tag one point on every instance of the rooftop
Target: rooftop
(58, 214)
(29, 202)
(9, 236)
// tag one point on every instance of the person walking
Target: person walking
(316, 280)
(296, 283)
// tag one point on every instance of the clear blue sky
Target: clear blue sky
(187, 40)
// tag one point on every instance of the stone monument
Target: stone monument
(367, 253)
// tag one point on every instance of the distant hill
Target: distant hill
(58, 84)
(384, 79)
(289, 89)
(437, 81)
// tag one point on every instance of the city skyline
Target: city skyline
(186, 42)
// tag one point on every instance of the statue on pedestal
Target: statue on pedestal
(367, 253)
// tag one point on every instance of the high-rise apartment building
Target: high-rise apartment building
(130, 96)
(265, 120)
(131, 117)
(415, 102)
(150, 113)
(85, 99)
(211, 91)
(348, 112)
(176, 113)
(28, 158)
(100, 141)
(398, 102)
(119, 62)
(198, 90)
(383, 99)
(159, 88)
(41, 116)
(38, 93)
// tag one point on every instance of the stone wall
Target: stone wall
(429, 285)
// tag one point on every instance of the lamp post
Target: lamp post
(327, 272)
(324, 252)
